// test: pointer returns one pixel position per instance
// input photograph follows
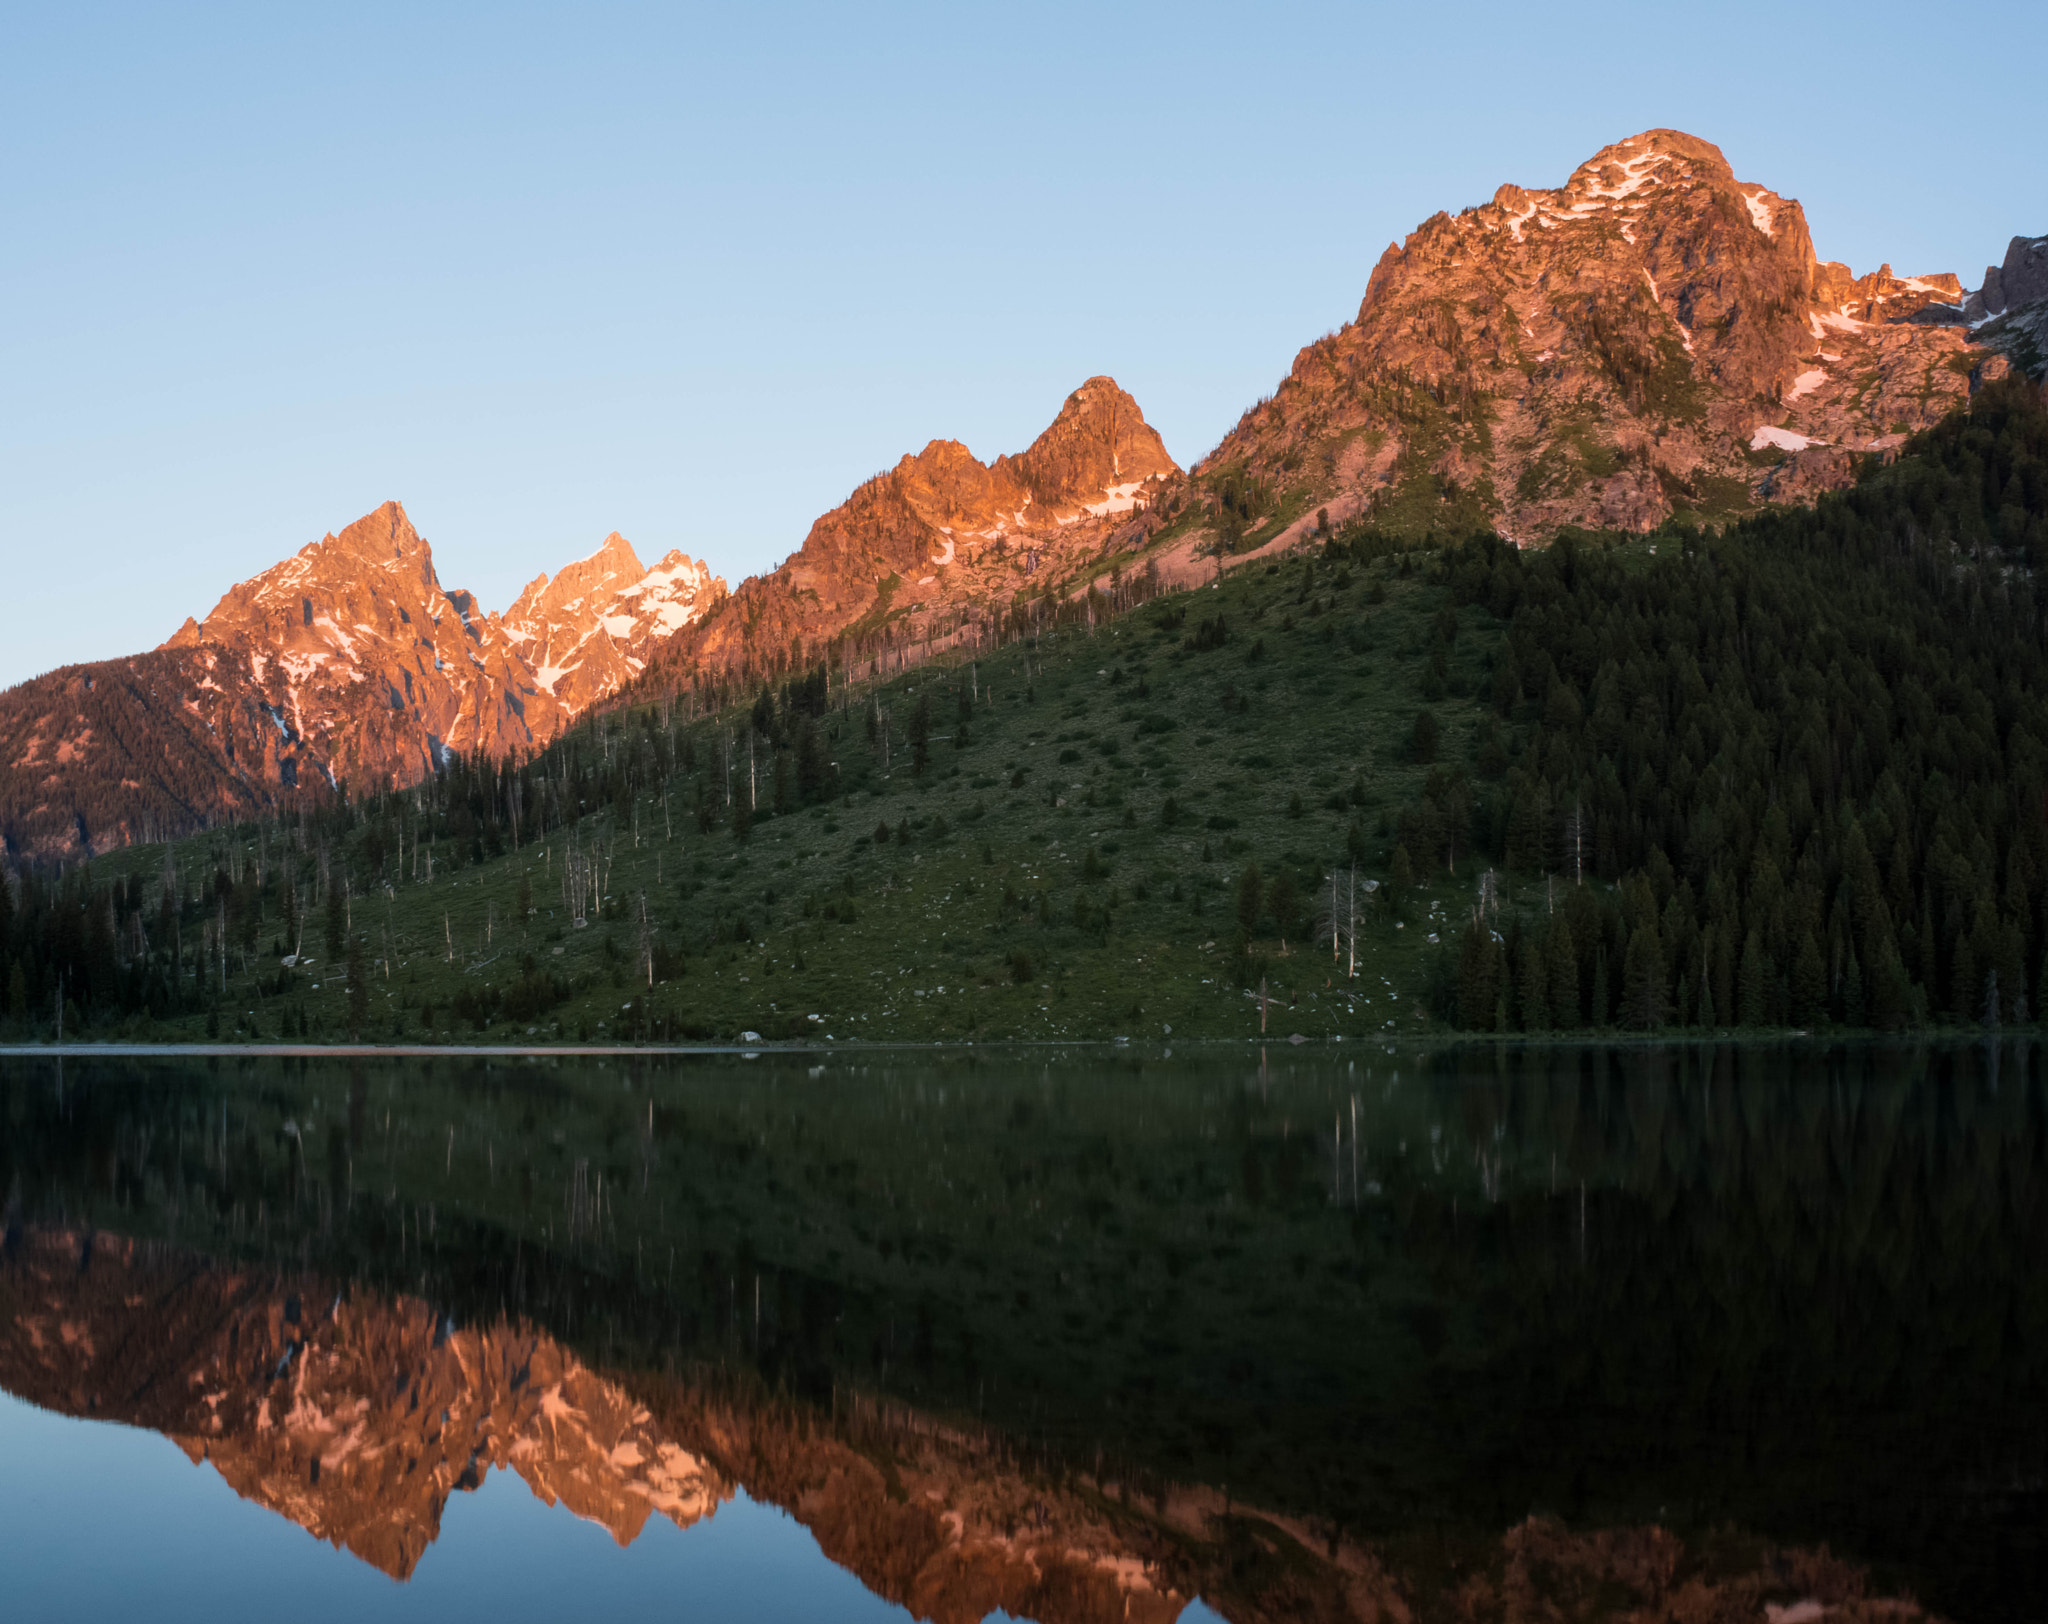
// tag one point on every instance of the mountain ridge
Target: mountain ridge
(1655, 337)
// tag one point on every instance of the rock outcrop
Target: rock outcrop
(592, 629)
(940, 544)
(346, 664)
(1653, 335)
(2021, 280)
(368, 664)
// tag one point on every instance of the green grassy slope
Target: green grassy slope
(1785, 776)
(1072, 870)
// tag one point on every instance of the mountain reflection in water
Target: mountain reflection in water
(1464, 1334)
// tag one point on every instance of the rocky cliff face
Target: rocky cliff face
(2009, 313)
(940, 543)
(355, 1419)
(1653, 335)
(347, 663)
(592, 629)
(368, 665)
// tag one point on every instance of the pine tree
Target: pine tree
(1966, 987)
(1478, 977)
(1600, 1000)
(1643, 997)
(1754, 1009)
(1566, 1009)
(1535, 986)
(1250, 894)
(1809, 981)
(1400, 881)
(1854, 1013)
(1891, 995)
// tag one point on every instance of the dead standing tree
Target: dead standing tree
(1338, 919)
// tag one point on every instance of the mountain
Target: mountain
(938, 546)
(592, 628)
(1652, 336)
(366, 662)
(2009, 312)
(359, 1416)
(356, 1417)
(346, 663)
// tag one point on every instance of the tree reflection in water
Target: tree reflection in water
(1308, 1336)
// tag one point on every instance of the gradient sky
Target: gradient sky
(691, 274)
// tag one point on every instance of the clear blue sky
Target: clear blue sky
(544, 272)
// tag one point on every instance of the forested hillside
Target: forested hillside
(1812, 753)
(1792, 774)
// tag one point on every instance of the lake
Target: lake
(1316, 1332)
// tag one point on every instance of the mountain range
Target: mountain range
(360, 1416)
(1654, 338)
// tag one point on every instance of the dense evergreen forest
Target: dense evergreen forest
(1811, 752)
(1794, 773)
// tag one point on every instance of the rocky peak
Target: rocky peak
(943, 542)
(364, 664)
(2021, 280)
(590, 630)
(1096, 455)
(1642, 338)
(586, 585)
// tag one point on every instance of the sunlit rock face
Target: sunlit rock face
(934, 550)
(593, 628)
(1648, 336)
(346, 665)
(356, 1418)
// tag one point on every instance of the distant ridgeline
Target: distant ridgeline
(1791, 774)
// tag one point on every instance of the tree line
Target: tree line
(1793, 773)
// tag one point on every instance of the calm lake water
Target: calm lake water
(1477, 1332)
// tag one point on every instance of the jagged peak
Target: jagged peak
(614, 549)
(1098, 441)
(384, 534)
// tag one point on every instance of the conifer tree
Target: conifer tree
(1250, 894)
(1642, 980)
(1566, 1001)
(1754, 1008)
(1478, 976)
(1809, 981)
(1535, 985)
